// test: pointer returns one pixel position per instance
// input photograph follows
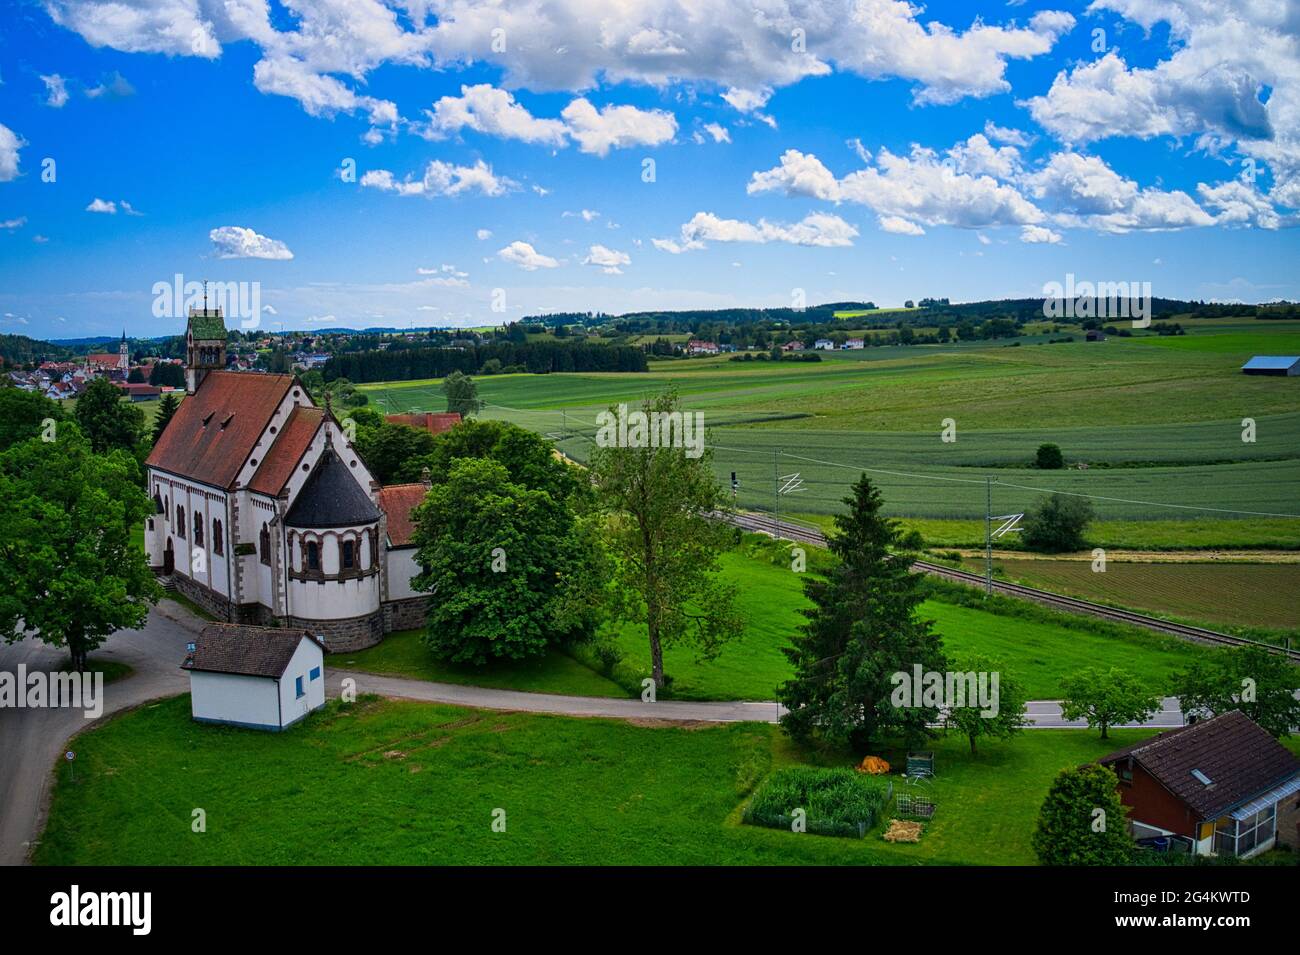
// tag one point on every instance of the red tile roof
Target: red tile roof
(104, 358)
(397, 501)
(1240, 759)
(435, 422)
(290, 444)
(237, 408)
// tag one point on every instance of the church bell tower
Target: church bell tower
(205, 345)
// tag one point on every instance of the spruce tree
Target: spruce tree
(862, 628)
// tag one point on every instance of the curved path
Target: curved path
(32, 740)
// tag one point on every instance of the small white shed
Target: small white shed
(258, 677)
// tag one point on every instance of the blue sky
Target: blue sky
(838, 150)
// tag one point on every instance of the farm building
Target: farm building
(435, 422)
(1272, 365)
(824, 344)
(1222, 786)
(258, 677)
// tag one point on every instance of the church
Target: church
(266, 515)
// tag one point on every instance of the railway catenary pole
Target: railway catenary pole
(988, 536)
(776, 489)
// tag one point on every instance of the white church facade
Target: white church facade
(266, 515)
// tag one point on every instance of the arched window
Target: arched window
(264, 545)
(218, 546)
(348, 555)
(198, 529)
(180, 522)
(157, 502)
(313, 556)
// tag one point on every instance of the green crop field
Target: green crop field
(1257, 595)
(420, 784)
(1156, 423)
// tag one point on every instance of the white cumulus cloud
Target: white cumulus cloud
(238, 242)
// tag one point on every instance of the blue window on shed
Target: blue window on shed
(315, 673)
(297, 683)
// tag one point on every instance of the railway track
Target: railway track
(806, 534)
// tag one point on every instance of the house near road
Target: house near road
(257, 677)
(1281, 365)
(1222, 786)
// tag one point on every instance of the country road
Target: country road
(32, 740)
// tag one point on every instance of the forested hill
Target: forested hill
(21, 350)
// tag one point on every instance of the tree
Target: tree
(972, 721)
(1081, 821)
(1057, 523)
(499, 561)
(528, 457)
(25, 414)
(166, 411)
(1254, 680)
(106, 420)
(665, 542)
(166, 374)
(388, 448)
(1049, 457)
(1106, 697)
(71, 570)
(862, 628)
(462, 394)
(135, 377)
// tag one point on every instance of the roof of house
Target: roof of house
(398, 501)
(332, 497)
(245, 651)
(207, 324)
(1272, 361)
(1238, 757)
(290, 444)
(103, 358)
(435, 422)
(215, 429)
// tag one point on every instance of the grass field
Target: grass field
(1257, 595)
(402, 654)
(1157, 420)
(385, 782)
(1038, 654)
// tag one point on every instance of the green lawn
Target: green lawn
(771, 596)
(402, 654)
(388, 782)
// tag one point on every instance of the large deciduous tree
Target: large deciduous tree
(1260, 683)
(106, 420)
(863, 627)
(530, 458)
(502, 564)
(25, 414)
(462, 394)
(659, 504)
(71, 570)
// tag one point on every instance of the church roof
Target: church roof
(332, 497)
(289, 447)
(207, 324)
(215, 429)
(398, 501)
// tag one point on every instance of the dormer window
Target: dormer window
(207, 418)
(226, 421)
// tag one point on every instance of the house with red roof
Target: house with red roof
(265, 512)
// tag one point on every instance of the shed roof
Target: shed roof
(1271, 361)
(1238, 756)
(245, 651)
(435, 422)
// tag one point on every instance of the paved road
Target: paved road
(31, 740)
